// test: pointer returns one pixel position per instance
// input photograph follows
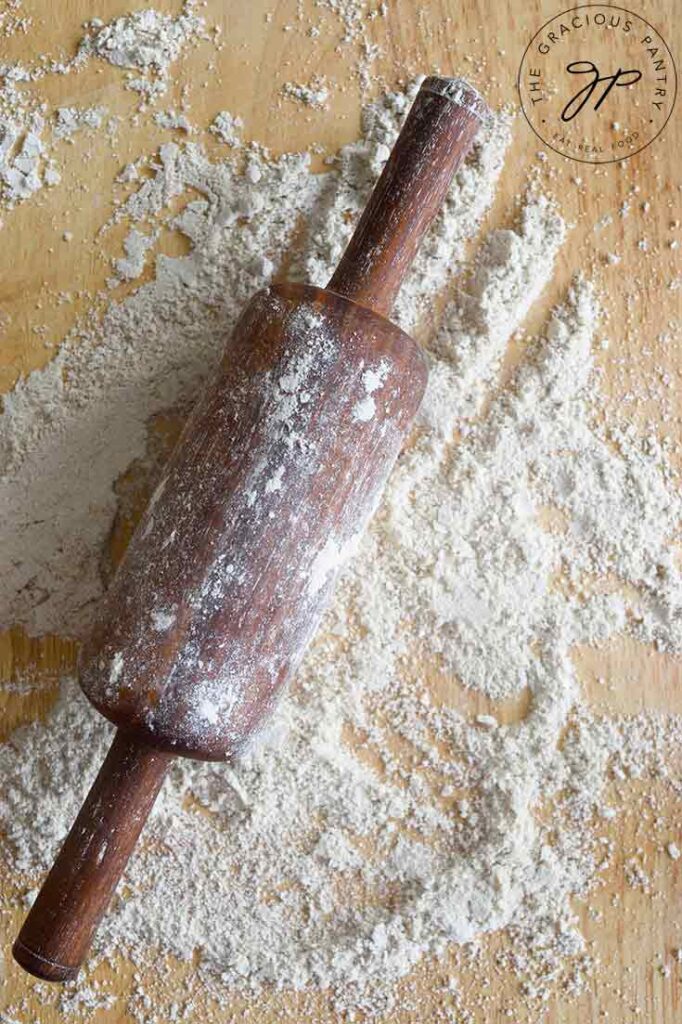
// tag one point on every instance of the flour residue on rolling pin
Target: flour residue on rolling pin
(372, 380)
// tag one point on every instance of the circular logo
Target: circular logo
(597, 83)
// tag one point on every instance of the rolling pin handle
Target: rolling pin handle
(438, 133)
(56, 935)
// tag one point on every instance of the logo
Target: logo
(597, 83)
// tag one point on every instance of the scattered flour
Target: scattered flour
(173, 120)
(146, 41)
(315, 94)
(136, 245)
(459, 565)
(22, 154)
(69, 120)
(227, 128)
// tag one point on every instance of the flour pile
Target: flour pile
(147, 42)
(374, 824)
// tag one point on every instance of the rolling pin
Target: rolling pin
(277, 472)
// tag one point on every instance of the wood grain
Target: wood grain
(630, 933)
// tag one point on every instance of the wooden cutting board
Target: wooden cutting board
(631, 933)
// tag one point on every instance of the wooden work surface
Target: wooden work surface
(631, 933)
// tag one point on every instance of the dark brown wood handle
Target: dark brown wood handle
(58, 930)
(435, 138)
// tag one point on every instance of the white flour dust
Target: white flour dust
(318, 862)
(315, 94)
(69, 120)
(145, 44)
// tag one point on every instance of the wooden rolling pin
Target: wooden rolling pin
(276, 474)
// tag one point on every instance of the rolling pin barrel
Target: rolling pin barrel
(308, 412)
(277, 472)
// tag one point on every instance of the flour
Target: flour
(69, 120)
(173, 120)
(372, 380)
(146, 41)
(315, 94)
(22, 153)
(135, 246)
(282, 878)
(227, 128)
(12, 20)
